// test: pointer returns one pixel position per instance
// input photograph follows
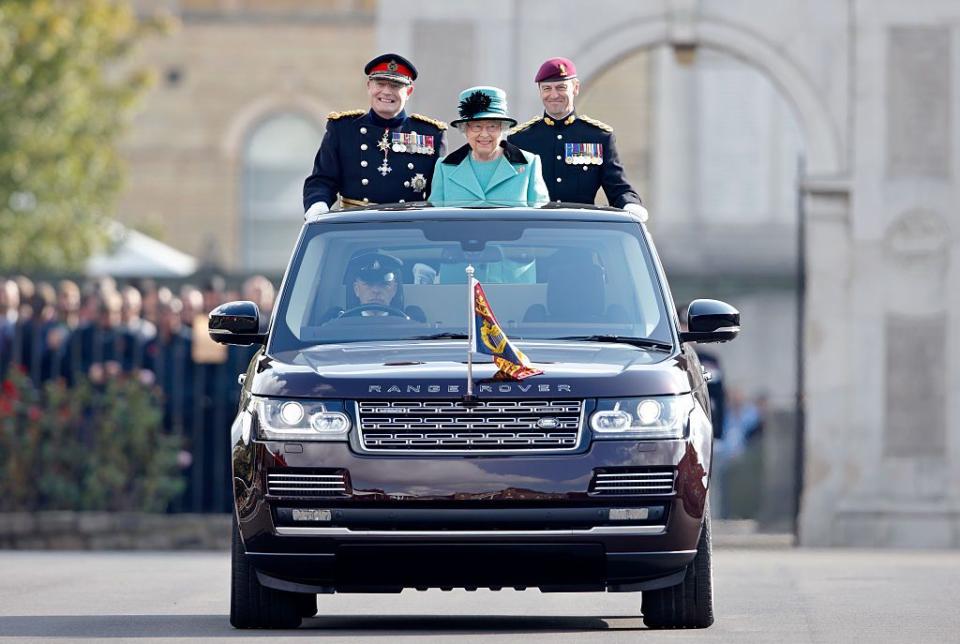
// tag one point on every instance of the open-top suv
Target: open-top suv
(370, 454)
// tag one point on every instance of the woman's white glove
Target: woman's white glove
(638, 210)
(316, 211)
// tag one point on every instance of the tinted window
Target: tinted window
(543, 280)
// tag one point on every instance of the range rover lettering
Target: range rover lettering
(372, 452)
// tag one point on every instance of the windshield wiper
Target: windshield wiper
(645, 343)
(441, 336)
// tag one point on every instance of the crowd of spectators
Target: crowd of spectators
(99, 329)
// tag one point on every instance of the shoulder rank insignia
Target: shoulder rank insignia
(333, 116)
(595, 123)
(440, 125)
(526, 124)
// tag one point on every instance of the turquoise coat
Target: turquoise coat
(516, 181)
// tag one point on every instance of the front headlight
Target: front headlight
(305, 420)
(653, 417)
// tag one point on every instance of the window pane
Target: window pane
(277, 158)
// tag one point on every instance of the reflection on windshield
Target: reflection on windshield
(407, 281)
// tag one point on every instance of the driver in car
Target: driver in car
(374, 289)
(376, 281)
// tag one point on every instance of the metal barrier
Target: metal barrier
(199, 398)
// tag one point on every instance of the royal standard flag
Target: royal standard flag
(489, 338)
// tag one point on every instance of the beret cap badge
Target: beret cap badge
(475, 103)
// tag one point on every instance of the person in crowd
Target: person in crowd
(488, 170)
(100, 342)
(67, 322)
(131, 315)
(214, 293)
(379, 155)
(192, 299)
(9, 327)
(137, 330)
(259, 290)
(148, 294)
(579, 153)
(37, 332)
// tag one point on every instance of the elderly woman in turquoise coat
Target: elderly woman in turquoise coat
(487, 171)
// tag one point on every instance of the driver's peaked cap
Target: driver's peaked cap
(374, 268)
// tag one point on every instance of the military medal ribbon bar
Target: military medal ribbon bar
(411, 142)
(583, 153)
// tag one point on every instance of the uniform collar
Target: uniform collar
(569, 119)
(382, 122)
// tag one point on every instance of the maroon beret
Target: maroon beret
(556, 69)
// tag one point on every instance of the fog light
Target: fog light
(629, 514)
(312, 515)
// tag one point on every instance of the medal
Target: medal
(418, 182)
(383, 144)
(384, 169)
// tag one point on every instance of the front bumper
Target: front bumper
(508, 521)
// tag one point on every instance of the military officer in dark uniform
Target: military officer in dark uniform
(578, 153)
(380, 155)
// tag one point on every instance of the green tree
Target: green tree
(66, 93)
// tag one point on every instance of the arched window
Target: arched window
(278, 156)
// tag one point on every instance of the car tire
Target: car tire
(308, 604)
(253, 605)
(689, 604)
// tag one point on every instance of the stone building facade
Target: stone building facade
(217, 154)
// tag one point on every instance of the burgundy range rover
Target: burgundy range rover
(361, 464)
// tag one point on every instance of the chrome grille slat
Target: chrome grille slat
(295, 484)
(635, 482)
(500, 426)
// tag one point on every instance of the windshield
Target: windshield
(354, 282)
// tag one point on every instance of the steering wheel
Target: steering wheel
(389, 310)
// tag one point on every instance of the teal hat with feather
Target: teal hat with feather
(483, 103)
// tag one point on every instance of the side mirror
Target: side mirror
(236, 323)
(711, 321)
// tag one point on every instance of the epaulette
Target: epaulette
(333, 116)
(523, 126)
(595, 123)
(440, 125)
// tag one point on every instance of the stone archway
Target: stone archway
(823, 142)
(826, 212)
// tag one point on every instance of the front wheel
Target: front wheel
(253, 605)
(689, 604)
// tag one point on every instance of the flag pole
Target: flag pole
(470, 332)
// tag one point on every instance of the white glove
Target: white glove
(316, 211)
(638, 210)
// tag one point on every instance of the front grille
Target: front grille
(633, 481)
(453, 426)
(305, 484)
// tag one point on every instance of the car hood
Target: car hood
(438, 369)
